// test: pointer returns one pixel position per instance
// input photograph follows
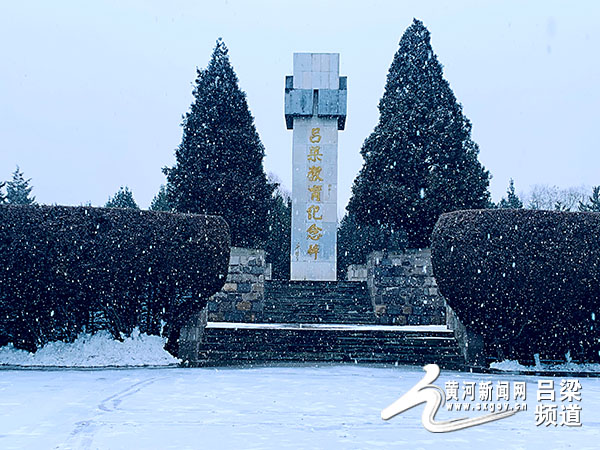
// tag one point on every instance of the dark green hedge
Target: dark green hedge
(528, 281)
(68, 269)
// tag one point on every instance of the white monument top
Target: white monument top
(316, 71)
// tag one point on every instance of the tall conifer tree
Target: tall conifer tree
(122, 199)
(18, 190)
(160, 202)
(420, 160)
(512, 200)
(277, 247)
(593, 202)
(219, 168)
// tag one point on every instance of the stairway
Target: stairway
(245, 343)
(318, 302)
(319, 321)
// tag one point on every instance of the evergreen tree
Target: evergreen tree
(2, 196)
(160, 202)
(355, 242)
(560, 206)
(18, 190)
(420, 160)
(512, 200)
(277, 246)
(122, 199)
(593, 203)
(219, 167)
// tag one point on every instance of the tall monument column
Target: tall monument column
(315, 108)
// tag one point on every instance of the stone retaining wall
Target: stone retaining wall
(356, 272)
(242, 296)
(402, 288)
(471, 344)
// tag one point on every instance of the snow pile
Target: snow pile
(97, 350)
(514, 366)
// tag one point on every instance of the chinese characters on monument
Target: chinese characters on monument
(315, 108)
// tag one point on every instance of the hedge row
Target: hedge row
(528, 281)
(68, 269)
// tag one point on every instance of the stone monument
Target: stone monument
(315, 108)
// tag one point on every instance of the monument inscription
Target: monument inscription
(315, 108)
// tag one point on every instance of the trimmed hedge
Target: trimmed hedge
(527, 281)
(68, 269)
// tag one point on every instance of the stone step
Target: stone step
(214, 358)
(358, 289)
(349, 290)
(312, 315)
(230, 340)
(317, 302)
(234, 343)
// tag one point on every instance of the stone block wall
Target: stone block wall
(243, 295)
(401, 286)
(190, 338)
(471, 344)
(403, 290)
(356, 272)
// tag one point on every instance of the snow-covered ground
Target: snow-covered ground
(325, 406)
(98, 350)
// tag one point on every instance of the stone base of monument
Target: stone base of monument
(318, 302)
(226, 343)
(319, 321)
(257, 320)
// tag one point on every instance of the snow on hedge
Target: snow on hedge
(514, 366)
(97, 350)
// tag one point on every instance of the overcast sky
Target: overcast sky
(92, 93)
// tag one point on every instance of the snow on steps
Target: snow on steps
(240, 343)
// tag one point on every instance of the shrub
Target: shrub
(66, 269)
(527, 281)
